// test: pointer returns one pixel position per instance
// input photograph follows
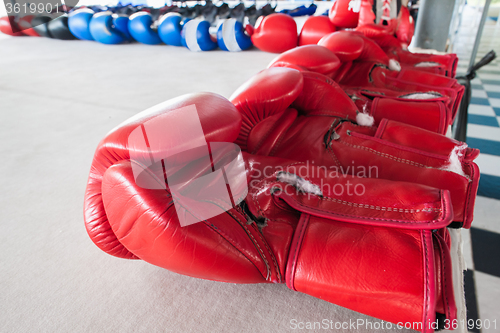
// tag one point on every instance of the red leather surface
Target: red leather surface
(366, 14)
(222, 125)
(342, 16)
(373, 253)
(273, 89)
(373, 30)
(373, 77)
(384, 253)
(366, 72)
(273, 127)
(314, 29)
(427, 115)
(276, 33)
(144, 221)
(431, 82)
(446, 64)
(396, 272)
(6, 24)
(444, 291)
(435, 80)
(313, 58)
(388, 161)
(406, 27)
(350, 46)
(402, 152)
(24, 23)
(417, 207)
(321, 95)
(414, 137)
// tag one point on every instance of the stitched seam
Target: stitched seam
(388, 209)
(394, 158)
(255, 242)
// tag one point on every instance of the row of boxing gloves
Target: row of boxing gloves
(110, 25)
(201, 29)
(284, 148)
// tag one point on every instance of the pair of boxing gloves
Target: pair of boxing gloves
(291, 213)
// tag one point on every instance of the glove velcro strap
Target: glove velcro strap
(427, 115)
(362, 210)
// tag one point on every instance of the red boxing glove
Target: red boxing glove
(428, 111)
(293, 226)
(9, 27)
(275, 33)
(443, 64)
(406, 27)
(345, 13)
(114, 148)
(313, 58)
(303, 116)
(315, 28)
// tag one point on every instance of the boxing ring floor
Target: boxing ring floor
(57, 100)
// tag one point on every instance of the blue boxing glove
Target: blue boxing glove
(140, 26)
(78, 23)
(301, 11)
(231, 36)
(170, 28)
(109, 28)
(196, 36)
